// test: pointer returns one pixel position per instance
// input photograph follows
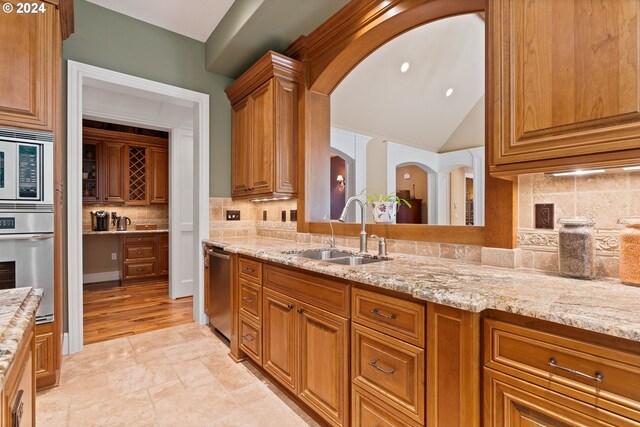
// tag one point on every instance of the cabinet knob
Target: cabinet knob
(290, 306)
(300, 310)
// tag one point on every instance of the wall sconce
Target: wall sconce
(407, 176)
(340, 180)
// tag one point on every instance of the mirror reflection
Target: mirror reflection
(409, 121)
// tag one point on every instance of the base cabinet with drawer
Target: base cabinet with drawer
(144, 256)
(387, 357)
(46, 375)
(550, 375)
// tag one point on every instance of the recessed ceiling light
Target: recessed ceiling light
(449, 92)
(404, 67)
(632, 168)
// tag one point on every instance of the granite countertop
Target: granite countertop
(607, 307)
(17, 309)
(132, 231)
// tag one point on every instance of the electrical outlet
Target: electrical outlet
(284, 216)
(293, 215)
(114, 256)
(233, 215)
(544, 216)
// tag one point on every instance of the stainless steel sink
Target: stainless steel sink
(355, 260)
(322, 254)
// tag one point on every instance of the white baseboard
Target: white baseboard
(65, 343)
(106, 276)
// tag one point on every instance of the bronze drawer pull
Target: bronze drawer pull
(246, 337)
(248, 270)
(553, 362)
(386, 316)
(247, 299)
(374, 363)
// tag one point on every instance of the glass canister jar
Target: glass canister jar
(630, 251)
(576, 247)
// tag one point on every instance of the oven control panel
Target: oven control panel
(7, 223)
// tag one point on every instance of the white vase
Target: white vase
(384, 212)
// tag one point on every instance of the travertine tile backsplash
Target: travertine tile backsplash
(604, 197)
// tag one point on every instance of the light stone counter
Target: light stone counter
(17, 309)
(607, 307)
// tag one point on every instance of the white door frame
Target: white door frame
(78, 76)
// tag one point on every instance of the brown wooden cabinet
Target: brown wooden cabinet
(159, 172)
(264, 129)
(130, 169)
(113, 167)
(142, 256)
(556, 375)
(306, 348)
(564, 87)
(46, 375)
(279, 331)
(30, 52)
(410, 215)
(19, 391)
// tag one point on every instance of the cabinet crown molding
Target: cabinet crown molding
(272, 64)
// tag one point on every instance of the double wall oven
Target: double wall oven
(26, 214)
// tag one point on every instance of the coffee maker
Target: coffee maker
(99, 221)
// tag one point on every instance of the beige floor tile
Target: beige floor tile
(130, 409)
(181, 376)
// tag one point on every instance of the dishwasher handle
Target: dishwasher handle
(217, 254)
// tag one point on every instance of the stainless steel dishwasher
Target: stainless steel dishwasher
(220, 291)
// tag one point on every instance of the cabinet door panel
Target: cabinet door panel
(567, 81)
(113, 170)
(29, 51)
(324, 363)
(262, 139)
(279, 338)
(286, 136)
(159, 172)
(241, 148)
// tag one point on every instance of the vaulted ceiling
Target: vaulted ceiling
(377, 99)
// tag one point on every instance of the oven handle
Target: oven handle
(26, 236)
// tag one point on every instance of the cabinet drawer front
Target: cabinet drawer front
(530, 354)
(136, 239)
(139, 270)
(136, 252)
(328, 294)
(250, 269)
(368, 411)
(396, 317)
(513, 402)
(251, 339)
(390, 369)
(250, 300)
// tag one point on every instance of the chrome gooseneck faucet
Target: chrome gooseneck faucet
(343, 218)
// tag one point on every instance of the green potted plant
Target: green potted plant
(385, 207)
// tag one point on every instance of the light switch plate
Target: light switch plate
(233, 215)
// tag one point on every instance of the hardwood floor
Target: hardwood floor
(133, 309)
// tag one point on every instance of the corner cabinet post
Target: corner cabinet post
(453, 367)
(234, 339)
(264, 147)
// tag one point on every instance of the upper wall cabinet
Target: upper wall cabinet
(565, 83)
(264, 129)
(29, 65)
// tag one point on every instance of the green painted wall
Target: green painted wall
(117, 42)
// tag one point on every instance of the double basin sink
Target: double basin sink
(336, 256)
